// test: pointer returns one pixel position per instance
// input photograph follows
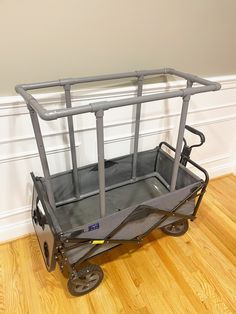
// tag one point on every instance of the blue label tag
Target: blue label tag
(93, 227)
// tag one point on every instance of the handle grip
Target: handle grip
(196, 132)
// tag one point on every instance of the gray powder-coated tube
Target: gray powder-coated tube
(105, 105)
(182, 123)
(72, 141)
(101, 169)
(89, 79)
(137, 127)
(43, 157)
(93, 107)
(73, 81)
(193, 78)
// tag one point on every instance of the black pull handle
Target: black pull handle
(194, 131)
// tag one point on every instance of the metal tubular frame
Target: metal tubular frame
(67, 89)
(99, 108)
(42, 155)
(59, 113)
(182, 123)
(101, 168)
(137, 127)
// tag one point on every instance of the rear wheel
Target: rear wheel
(90, 278)
(176, 229)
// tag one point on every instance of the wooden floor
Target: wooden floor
(194, 273)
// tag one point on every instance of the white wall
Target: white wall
(213, 113)
(45, 40)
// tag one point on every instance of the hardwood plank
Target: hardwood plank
(195, 273)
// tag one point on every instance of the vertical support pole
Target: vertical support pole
(137, 127)
(42, 155)
(182, 123)
(101, 169)
(67, 89)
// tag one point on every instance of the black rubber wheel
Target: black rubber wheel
(92, 276)
(176, 229)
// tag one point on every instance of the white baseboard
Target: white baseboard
(223, 169)
(15, 223)
(16, 230)
(234, 169)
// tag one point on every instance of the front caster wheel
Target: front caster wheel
(88, 279)
(176, 229)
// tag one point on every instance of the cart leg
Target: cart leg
(137, 127)
(42, 155)
(67, 89)
(183, 118)
(101, 169)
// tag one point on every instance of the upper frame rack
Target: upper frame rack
(104, 105)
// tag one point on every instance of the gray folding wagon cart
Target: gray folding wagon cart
(86, 211)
